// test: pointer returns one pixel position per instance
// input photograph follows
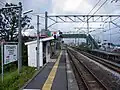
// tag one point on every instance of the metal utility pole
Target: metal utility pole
(38, 42)
(46, 21)
(20, 40)
(87, 29)
(75, 41)
(110, 30)
(19, 35)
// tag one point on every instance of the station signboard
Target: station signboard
(10, 53)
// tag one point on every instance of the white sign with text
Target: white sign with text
(10, 53)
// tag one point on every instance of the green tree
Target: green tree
(9, 22)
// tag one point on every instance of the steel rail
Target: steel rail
(104, 62)
(90, 73)
(78, 72)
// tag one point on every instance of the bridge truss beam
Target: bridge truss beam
(82, 18)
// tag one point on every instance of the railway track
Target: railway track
(85, 78)
(114, 66)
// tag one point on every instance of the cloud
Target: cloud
(77, 6)
(57, 6)
(67, 7)
(70, 6)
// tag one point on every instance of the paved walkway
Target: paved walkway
(54, 76)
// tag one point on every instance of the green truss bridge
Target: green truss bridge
(89, 39)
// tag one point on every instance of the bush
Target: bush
(25, 55)
(13, 81)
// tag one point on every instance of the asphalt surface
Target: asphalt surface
(60, 81)
(40, 79)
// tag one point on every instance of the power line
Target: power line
(96, 10)
(105, 30)
(99, 8)
(2, 2)
(94, 7)
(114, 33)
(111, 28)
(34, 14)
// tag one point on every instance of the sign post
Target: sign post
(2, 59)
(9, 54)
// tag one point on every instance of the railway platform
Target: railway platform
(74, 70)
(56, 75)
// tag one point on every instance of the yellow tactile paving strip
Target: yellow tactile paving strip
(48, 84)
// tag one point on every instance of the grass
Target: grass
(13, 81)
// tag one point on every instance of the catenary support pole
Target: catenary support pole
(87, 29)
(110, 30)
(46, 21)
(38, 43)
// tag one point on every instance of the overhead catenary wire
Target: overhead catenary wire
(114, 33)
(97, 10)
(2, 2)
(100, 7)
(111, 28)
(105, 30)
(94, 7)
(34, 14)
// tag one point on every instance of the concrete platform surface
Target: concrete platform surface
(55, 76)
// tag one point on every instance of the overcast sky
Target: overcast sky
(72, 7)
